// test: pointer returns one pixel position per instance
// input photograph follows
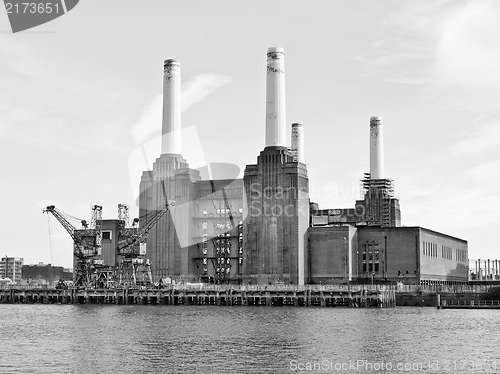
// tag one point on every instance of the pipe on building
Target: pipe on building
(275, 98)
(297, 143)
(376, 149)
(171, 123)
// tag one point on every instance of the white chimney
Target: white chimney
(171, 124)
(376, 149)
(297, 143)
(275, 98)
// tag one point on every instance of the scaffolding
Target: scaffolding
(484, 270)
(226, 257)
(378, 195)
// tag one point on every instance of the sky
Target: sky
(80, 102)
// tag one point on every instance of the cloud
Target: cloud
(467, 58)
(405, 42)
(445, 45)
(194, 91)
(468, 52)
(201, 86)
(479, 140)
(150, 120)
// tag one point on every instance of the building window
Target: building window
(106, 235)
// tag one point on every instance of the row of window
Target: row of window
(220, 225)
(446, 252)
(222, 246)
(371, 267)
(461, 255)
(370, 247)
(221, 251)
(371, 256)
(222, 211)
(223, 225)
(432, 250)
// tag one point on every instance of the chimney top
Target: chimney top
(171, 62)
(297, 125)
(275, 50)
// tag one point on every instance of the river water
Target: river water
(210, 339)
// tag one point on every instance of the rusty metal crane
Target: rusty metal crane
(134, 267)
(86, 244)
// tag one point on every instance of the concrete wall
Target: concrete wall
(397, 255)
(332, 252)
(443, 258)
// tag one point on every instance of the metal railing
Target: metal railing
(473, 303)
(295, 288)
(280, 287)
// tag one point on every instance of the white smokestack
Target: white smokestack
(275, 98)
(376, 149)
(171, 124)
(298, 141)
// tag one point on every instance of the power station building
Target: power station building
(263, 228)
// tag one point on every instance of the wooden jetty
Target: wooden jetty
(306, 296)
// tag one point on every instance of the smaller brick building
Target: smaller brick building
(410, 255)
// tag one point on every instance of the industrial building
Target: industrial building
(263, 229)
(484, 270)
(10, 267)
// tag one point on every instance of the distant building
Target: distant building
(45, 273)
(10, 267)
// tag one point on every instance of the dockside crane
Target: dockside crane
(86, 244)
(134, 267)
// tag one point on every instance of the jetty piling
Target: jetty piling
(222, 295)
